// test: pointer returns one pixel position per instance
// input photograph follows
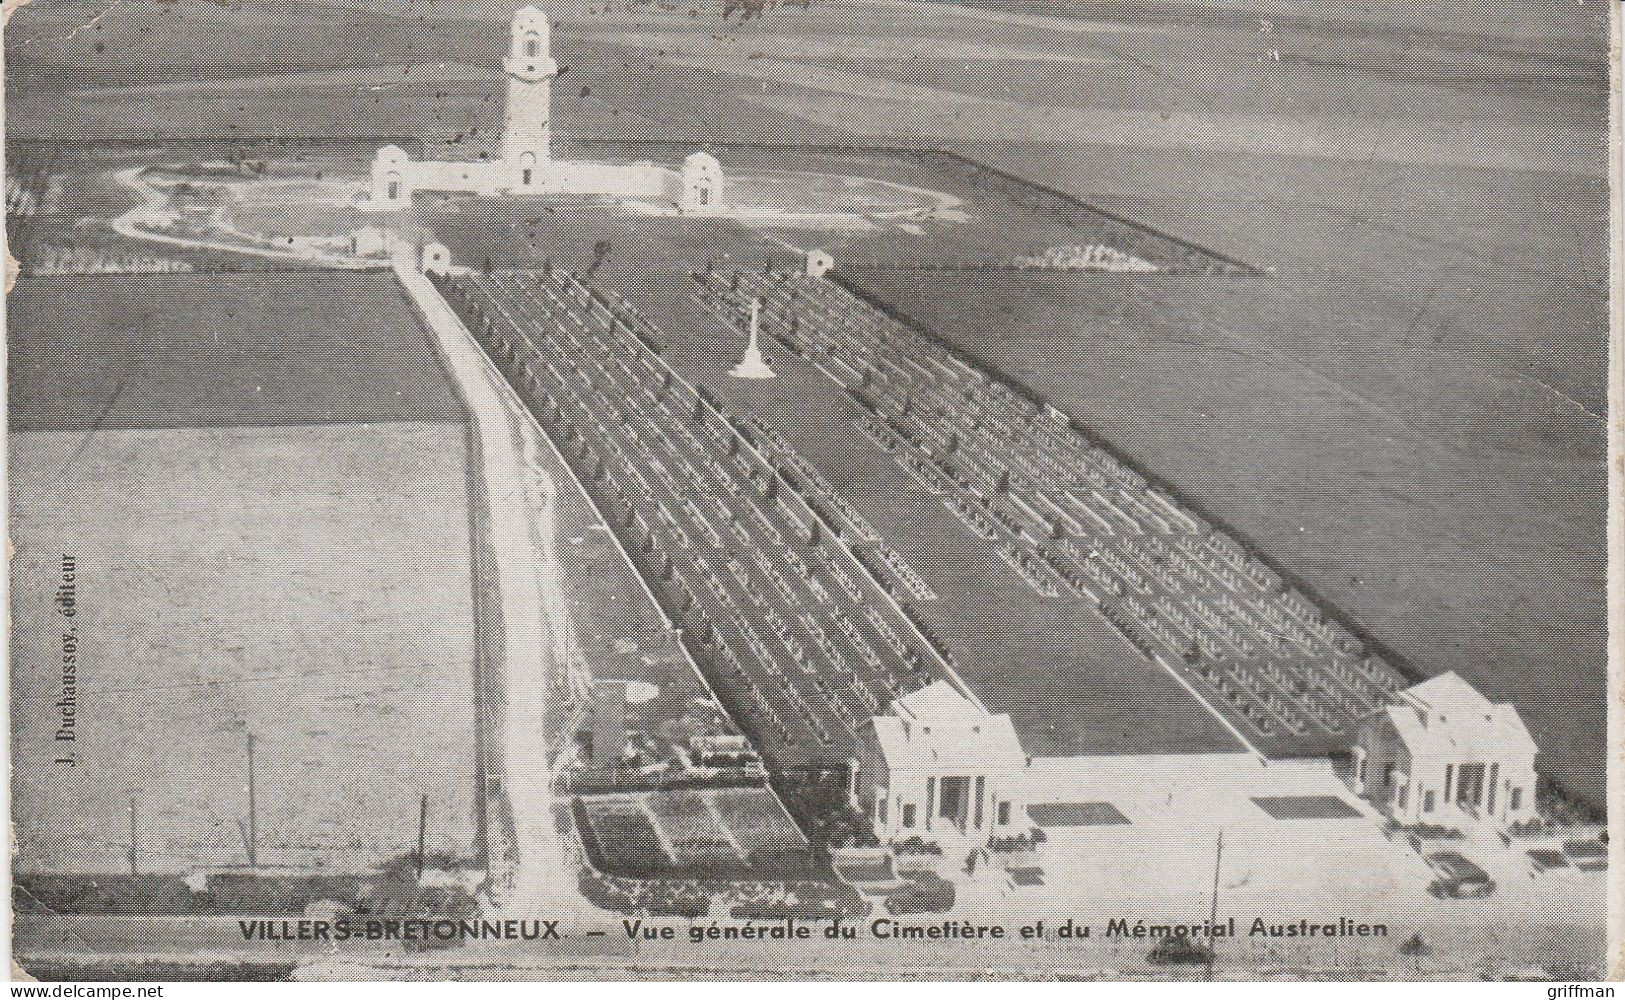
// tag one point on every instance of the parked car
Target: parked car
(1587, 855)
(1180, 950)
(1458, 877)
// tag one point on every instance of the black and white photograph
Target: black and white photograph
(810, 490)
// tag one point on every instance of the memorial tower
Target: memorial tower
(530, 69)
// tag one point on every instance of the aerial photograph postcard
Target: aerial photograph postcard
(744, 490)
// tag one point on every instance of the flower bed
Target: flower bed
(621, 840)
(757, 821)
(657, 897)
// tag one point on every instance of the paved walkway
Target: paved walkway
(1160, 864)
(1176, 806)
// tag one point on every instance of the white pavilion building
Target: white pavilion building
(940, 767)
(1445, 754)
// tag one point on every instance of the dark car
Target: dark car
(1180, 949)
(1458, 877)
(928, 893)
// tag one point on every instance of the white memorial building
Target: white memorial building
(527, 165)
(1444, 754)
(940, 767)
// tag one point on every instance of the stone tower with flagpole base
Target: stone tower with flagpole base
(530, 68)
(526, 164)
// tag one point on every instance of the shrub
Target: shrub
(928, 893)
(1433, 831)
(917, 845)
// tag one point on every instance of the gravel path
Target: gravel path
(518, 512)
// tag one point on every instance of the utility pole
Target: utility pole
(253, 809)
(1213, 914)
(133, 842)
(423, 830)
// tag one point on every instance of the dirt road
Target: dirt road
(154, 213)
(534, 649)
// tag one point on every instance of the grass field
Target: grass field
(262, 482)
(264, 580)
(524, 234)
(219, 351)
